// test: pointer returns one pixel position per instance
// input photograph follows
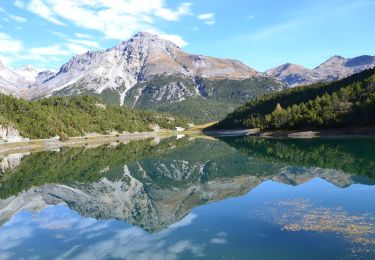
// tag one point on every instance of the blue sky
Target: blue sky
(260, 33)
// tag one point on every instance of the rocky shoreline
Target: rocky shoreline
(341, 132)
(97, 139)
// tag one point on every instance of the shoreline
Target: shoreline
(296, 134)
(97, 139)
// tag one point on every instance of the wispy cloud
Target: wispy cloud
(170, 15)
(115, 19)
(221, 238)
(13, 50)
(82, 35)
(9, 45)
(43, 10)
(8, 16)
(87, 43)
(207, 18)
(17, 18)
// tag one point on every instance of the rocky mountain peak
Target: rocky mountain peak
(289, 68)
(336, 58)
(289, 73)
(144, 41)
(28, 72)
(333, 61)
(27, 67)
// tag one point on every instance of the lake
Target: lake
(191, 198)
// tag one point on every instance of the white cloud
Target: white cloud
(59, 34)
(40, 8)
(13, 236)
(207, 18)
(13, 50)
(218, 240)
(9, 45)
(17, 18)
(76, 48)
(186, 221)
(85, 43)
(170, 15)
(173, 38)
(118, 19)
(221, 238)
(53, 50)
(8, 16)
(19, 4)
(82, 35)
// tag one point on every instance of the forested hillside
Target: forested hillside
(344, 103)
(75, 116)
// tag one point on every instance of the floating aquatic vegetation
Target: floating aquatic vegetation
(303, 215)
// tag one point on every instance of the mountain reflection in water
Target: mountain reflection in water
(158, 186)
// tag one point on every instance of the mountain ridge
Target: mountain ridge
(334, 68)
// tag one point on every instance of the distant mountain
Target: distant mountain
(334, 68)
(13, 81)
(16, 81)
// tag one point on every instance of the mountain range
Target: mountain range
(335, 68)
(147, 72)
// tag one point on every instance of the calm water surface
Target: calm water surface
(230, 198)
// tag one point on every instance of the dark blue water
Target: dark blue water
(234, 198)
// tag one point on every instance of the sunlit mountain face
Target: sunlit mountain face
(191, 198)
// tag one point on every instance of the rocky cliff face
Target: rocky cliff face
(334, 68)
(11, 161)
(10, 134)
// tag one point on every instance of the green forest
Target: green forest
(75, 116)
(339, 153)
(78, 164)
(344, 103)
